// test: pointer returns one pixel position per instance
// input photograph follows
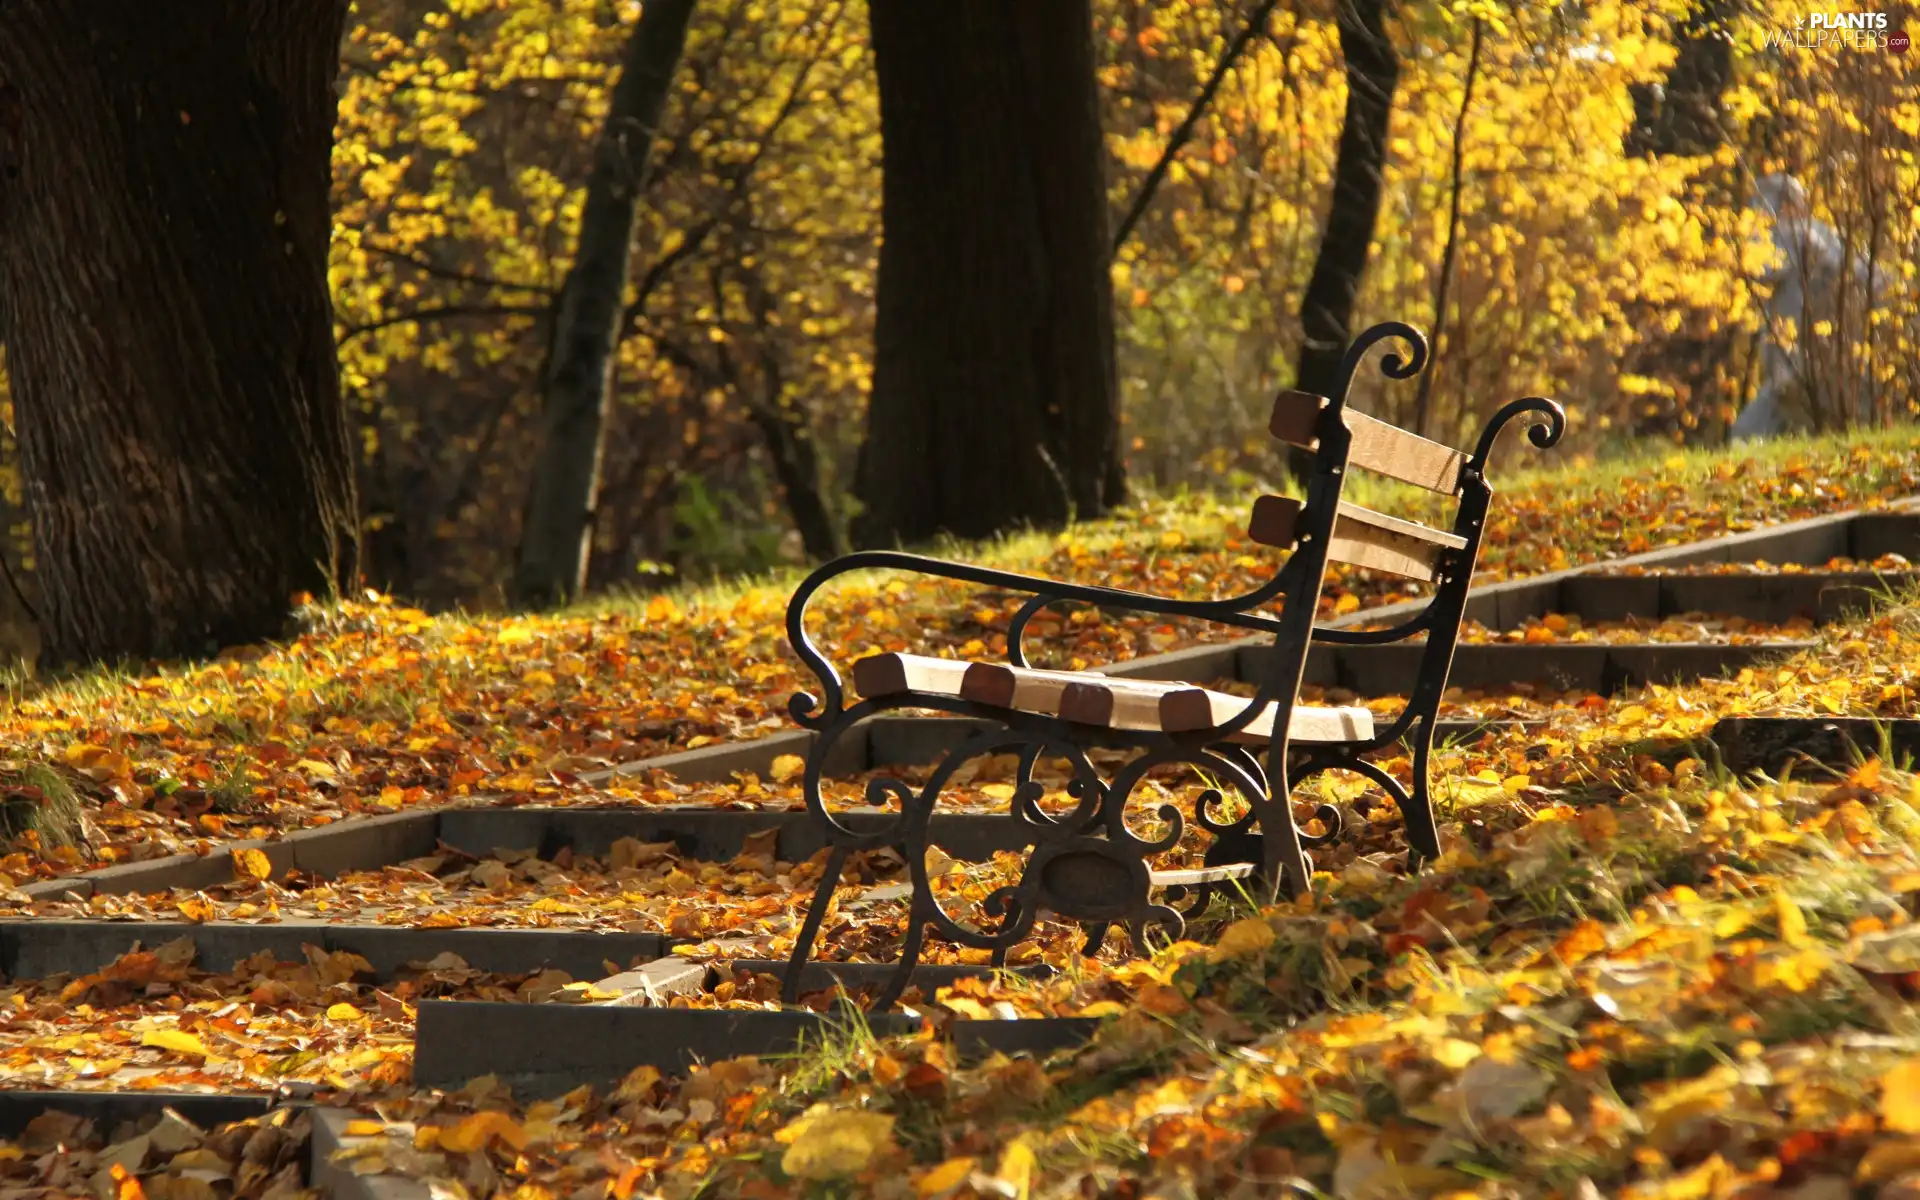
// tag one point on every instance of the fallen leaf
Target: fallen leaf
(251, 864)
(828, 1143)
(473, 1132)
(1016, 1168)
(1900, 1097)
(944, 1178)
(786, 767)
(177, 1040)
(1242, 939)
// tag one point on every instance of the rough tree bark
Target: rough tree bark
(163, 246)
(556, 536)
(1682, 116)
(1359, 171)
(995, 402)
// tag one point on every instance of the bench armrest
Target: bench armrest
(807, 709)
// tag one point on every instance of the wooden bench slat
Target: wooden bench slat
(1088, 698)
(1098, 702)
(1296, 418)
(1198, 708)
(1023, 688)
(1366, 538)
(1390, 450)
(1361, 536)
(1376, 445)
(1142, 704)
(890, 674)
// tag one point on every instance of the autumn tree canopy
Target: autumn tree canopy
(1589, 205)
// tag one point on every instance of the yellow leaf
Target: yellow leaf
(177, 1040)
(1732, 923)
(827, 1142)
(1900, 1098)
(251, 864)
(1347, 603)
(364, 1128)
(944, 1178)
(1016, 1168)
(473, 1132)
(638, 1084)
(1242, 939)
(787, 766)
(342, 1012)
(1793, 922)
(1172, 539)
(197, 908)
(1455, 1053)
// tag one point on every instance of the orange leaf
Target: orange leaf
(475, 1131)
(1161, 1000)
(125, 1186)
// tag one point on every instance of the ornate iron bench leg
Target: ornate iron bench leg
(1416, 810)
(810, 928)
(896, 985)
(1284, 869)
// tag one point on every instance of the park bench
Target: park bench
(1088, 865)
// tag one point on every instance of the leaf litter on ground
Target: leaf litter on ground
(377, 706)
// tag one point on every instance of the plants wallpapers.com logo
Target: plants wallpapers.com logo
(1841, 31)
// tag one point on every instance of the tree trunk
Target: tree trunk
(1683, 115)
(163, 245)
(995, 402)
(556, 537)
(1359, 171)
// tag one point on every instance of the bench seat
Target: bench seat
(1087, 698)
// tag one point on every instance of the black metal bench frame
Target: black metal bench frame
(1088, 865)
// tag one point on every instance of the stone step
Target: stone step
(702, 833)
(33, 948)
(549, 1049)
(1822, 597)
(1589, 666)
(109, 1109)
(1773, 744)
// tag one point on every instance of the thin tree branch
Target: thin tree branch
(1424, 395)
(1256, 24)
(454, 274)
(443, 312)
(736, 187)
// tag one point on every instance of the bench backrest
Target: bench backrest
(1340, 440)
(1362, 537)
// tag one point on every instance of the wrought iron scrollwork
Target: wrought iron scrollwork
(1088, 864)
